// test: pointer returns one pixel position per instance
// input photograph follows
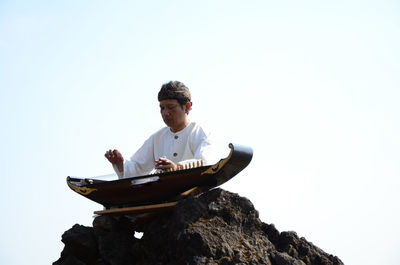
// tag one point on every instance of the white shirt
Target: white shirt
(188, 145)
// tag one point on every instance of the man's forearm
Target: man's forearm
(120, 167)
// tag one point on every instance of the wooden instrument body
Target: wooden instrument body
(162, 187)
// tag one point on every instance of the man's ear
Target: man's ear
(188, 106)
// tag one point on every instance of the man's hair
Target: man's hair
(175, 90)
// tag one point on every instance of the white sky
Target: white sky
(312, 86)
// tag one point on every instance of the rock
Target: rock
(80, 246)
(218, 227)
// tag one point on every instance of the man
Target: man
(181, 142)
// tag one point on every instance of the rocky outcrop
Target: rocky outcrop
(218, 227)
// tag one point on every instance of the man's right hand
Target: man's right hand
(115, 157)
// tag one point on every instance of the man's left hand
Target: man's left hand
(164, 163)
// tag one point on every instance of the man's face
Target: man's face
(173, 114)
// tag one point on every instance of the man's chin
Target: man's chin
(168, 123)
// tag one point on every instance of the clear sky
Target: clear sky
(312, 86)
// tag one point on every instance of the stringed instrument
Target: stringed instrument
(165, 187)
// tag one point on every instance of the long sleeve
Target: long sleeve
(201, 146)
(141, 163)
